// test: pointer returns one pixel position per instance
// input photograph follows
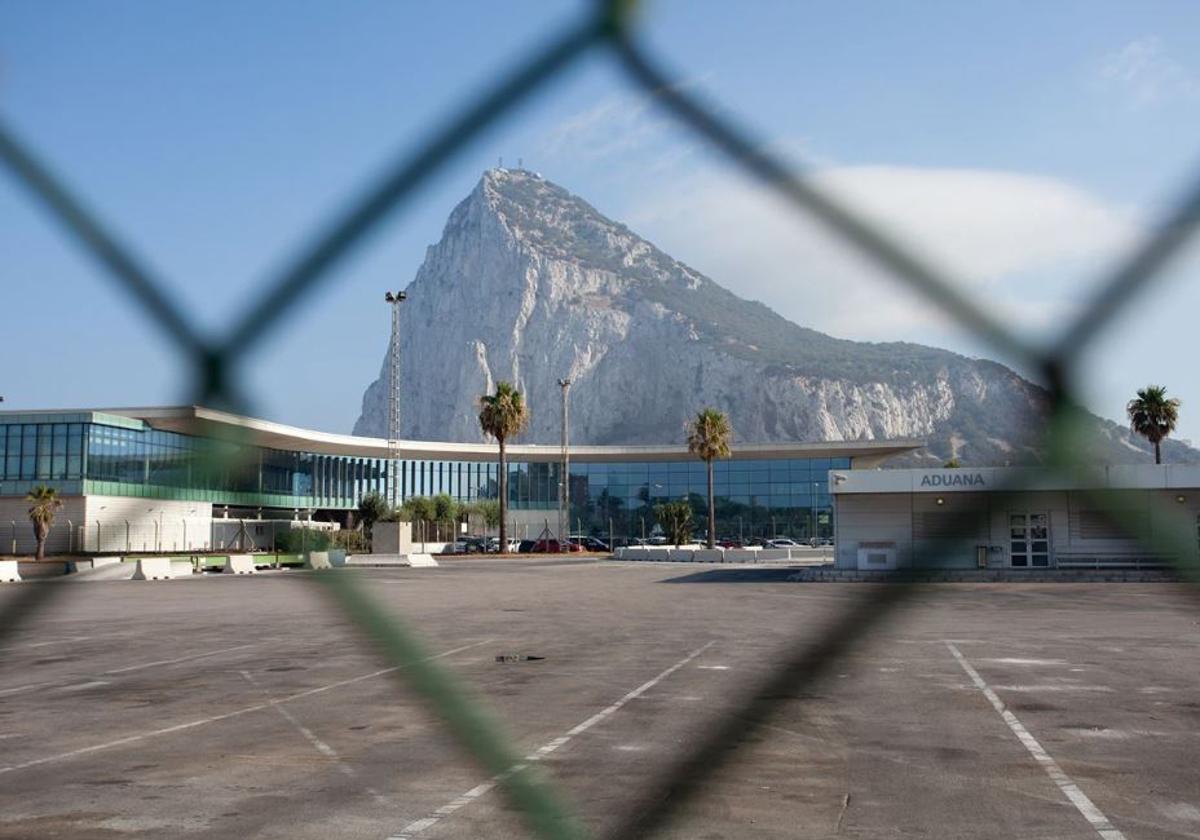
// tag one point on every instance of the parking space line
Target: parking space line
(179, 727)
(415, 828)
(316, 743)
(31, 645)
(66, 682)
(1078, 798)
(155, 664)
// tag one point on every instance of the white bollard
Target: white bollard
(9, 571)
(154, 568)
(239, 564)
(317, 560)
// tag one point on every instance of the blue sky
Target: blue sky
(1023, 151)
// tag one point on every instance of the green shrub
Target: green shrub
(297, 540)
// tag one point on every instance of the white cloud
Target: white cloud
(1145, 70)
(1021, 242)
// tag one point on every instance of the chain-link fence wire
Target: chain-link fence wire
(609, 26)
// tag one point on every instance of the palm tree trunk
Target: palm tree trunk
(503, 499)
(1157, 453)
(712, 509)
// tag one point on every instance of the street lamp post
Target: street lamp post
(394, 299)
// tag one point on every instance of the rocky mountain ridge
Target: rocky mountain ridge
(529, 283)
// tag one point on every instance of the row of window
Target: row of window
(145, 458)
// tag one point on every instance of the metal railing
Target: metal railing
(607, 28)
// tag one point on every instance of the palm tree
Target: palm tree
(708, 438)
(45, 504)
(1153, 416)
(503, 415)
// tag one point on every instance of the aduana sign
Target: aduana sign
(954, 478)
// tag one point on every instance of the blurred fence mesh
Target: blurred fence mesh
(608, 27)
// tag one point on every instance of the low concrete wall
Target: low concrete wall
(741, 555)
(317, 560)
(239, 564)
(154, 568)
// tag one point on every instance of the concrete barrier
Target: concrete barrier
(421, 560)
(708, 555)
(10, 572)
(741, 555)
(317, 560)
(182, 568)
(636, 554)
(658, 554)
(377, 560)
(773, 554)
(239, 564)
(337, 557)
(681, 555)
(40, 570)
(90, 564)
(108, 571)
(155, 568)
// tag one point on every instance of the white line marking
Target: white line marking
(29, 687)
(59, 683)
(317, 744)
(415, 828)
(179, 727)
(44, 644)
(81, 686)
(129, 668)
(1071, 790)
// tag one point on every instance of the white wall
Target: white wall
(15, 526)
(895, 518)
(119, 524)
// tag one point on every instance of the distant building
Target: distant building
(156, 479)
(1138, 516)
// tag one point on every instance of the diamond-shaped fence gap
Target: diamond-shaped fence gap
(215, 373)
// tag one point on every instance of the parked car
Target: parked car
(459, 547)
(589, 543)
(783, 542)
(552, 546)
(493, 545)
(525, 546)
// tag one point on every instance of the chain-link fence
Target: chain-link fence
(608, 28)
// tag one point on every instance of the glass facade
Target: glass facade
(754, 497)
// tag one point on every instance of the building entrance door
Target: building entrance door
(1029, 539)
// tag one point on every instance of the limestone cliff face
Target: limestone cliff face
(529, 284)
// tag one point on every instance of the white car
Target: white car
(783, 542)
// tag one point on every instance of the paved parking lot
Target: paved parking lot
(246, 708)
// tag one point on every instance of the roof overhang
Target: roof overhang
(208, 422)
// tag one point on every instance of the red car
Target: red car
(554, 547)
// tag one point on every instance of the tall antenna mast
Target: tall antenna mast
(393, 426)
(564, 484)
